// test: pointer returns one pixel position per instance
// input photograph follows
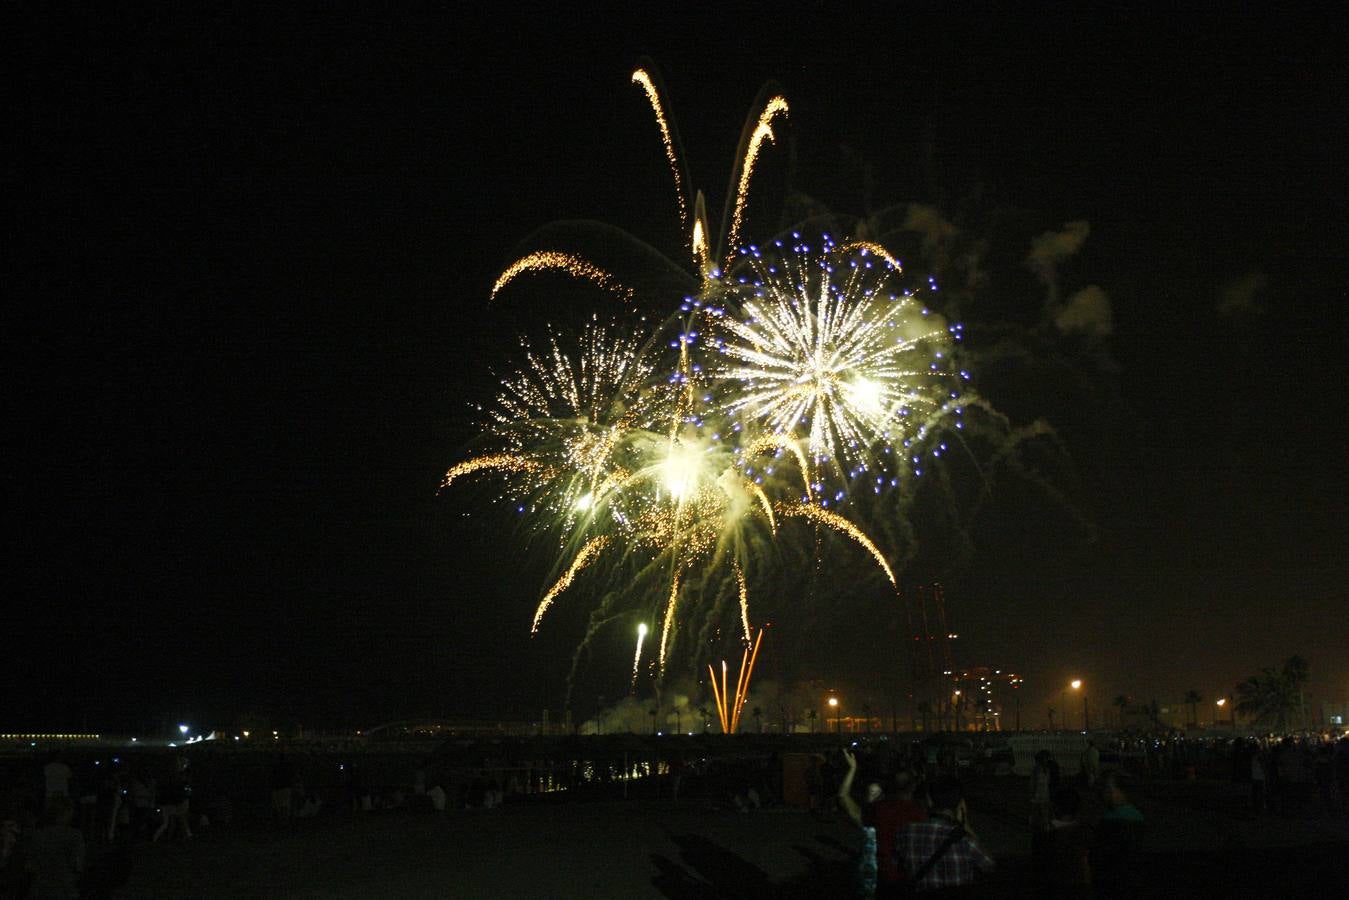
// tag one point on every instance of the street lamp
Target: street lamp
(838, 720)
(1220, 703)
(1076, 684)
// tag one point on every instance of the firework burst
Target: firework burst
(567, 421)
(825, 351)
(664, 460)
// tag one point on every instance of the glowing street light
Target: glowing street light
(838, 720)
(1076, 684)
(184, 729)
(1220, 703)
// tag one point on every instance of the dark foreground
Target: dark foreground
(1200, 844)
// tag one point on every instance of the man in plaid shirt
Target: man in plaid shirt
(942, 852)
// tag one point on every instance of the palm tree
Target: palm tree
(1192, 697)
(1122, 702)
(707, 715)
(758, 717)
(812, 715)
(1275, 697)
(866, 711)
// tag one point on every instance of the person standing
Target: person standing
(866, 864)
(1259, 780)
(283, 780)
(1114, 856)
(890, 814)
(176, 804)
(1041, 783)
(56, 776)
(881, 819)
(1065, 863)
(1091, 764)
(943, 851)
(57, 859)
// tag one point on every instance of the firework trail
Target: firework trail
(842, 525)
(589, 551)
(763, 131)
(643, 78)
(669, 618)
(637, 657)
(575, 266)
(504, 462)
(743, 590)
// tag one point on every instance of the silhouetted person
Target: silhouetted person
(1260, 777)
(1115, 856)
(1042, 786)
(142, 797)
(1323, 772)
(890, 815)
(677, 767)
(56, 777)
(110, 797)
(1041, 789)
(943, 853)
(282, 781)
(175, 805)
(14, 876)
(1091, 764)
(358, 791)
(57, 854)
(866, 865)
(1064, 864)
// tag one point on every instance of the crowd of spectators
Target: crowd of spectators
(72, 820)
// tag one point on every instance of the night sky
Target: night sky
(249, 261)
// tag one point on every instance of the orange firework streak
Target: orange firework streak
(718, 694)
(728, 707)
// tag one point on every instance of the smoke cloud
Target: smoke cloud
(1087, 312)
(1050, 249)
(1240, 298)
(930, 223)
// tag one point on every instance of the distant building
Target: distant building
(977, 698)
(1149, 717)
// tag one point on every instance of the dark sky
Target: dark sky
(249, 261)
